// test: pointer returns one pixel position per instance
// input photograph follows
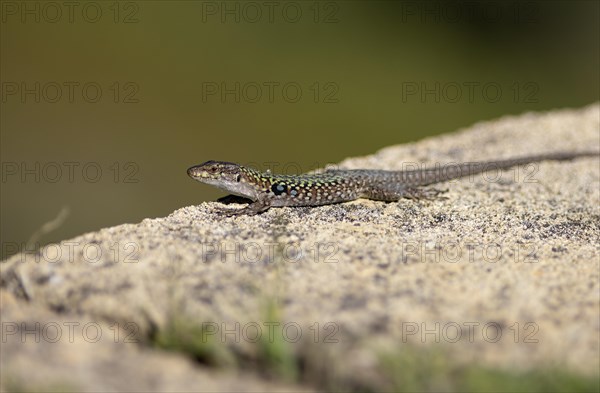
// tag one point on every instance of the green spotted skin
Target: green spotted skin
(266, 190)
(304, 190)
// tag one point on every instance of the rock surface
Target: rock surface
(502, 272)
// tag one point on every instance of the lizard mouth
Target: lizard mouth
(191, 171)
(196, 172)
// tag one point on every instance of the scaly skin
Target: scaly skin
(266, 190)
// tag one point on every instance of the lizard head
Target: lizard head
(224, 175)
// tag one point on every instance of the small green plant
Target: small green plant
(12, 384)
(425, 370)
(196, 340)
(275, 355)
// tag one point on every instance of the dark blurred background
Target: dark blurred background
(106, 104)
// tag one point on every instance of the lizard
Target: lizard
(264, 190)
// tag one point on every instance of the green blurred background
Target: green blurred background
(336, 79)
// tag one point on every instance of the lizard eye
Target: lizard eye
(238, 178)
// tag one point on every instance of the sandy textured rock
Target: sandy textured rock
(46, 352)
(514, 253)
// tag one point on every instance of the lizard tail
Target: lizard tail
(455, 171)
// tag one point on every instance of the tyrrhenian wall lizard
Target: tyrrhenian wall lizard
(266, 190)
